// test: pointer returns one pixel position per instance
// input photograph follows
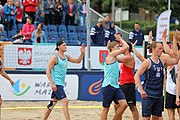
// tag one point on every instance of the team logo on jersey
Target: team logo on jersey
(95, 87)
(20, 88)
(102, 56)
(24, 56)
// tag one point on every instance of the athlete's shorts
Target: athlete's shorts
(130, 93)
(59, 94)
(152, 106)
(110, 94)
(171, 101)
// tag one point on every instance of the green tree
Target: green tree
(156, 6)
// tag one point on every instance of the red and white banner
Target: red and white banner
(162, 24)
(35, 56)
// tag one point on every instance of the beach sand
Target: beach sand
(79, 110)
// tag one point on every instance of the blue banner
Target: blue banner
(90, 87)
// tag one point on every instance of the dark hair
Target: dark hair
(137, 23)
(29, 17)
(41, 25)
(58, 43)
(178, 46)
(130, 46)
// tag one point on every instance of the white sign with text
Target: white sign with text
(35, 87)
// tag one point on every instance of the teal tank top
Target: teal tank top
(59, 70)
(111, 75)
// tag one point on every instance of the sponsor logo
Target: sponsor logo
(102, 56)
(20, 88)
(24, 56)
(95, 87)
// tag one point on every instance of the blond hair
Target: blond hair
(111, 45)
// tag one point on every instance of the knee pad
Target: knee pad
(51, 104)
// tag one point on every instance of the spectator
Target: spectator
(27, 30)
(1, 9)
(107, 22)
(136, 34)
(19, 14)
(1, 32)
(70, 10)
(49, 13)
(82, 12)
(30, 8)
(9, 15)
(3, 2)
(38, 35)
(97, 33)
(109, 33)
(58, 12)
(1, 28)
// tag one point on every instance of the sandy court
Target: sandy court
(80, 110)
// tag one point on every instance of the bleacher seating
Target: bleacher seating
(62, 29)
(63, 36)
(81, 29)
(52, 28)
(83, 38)
(71, 34)
(73, 39)
(45, 28)
(53, 37)
(11, 34)
(3, 36)
(72, 29)
(19, 27)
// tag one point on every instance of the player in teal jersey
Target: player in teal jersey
(56, 72)
(110, 87)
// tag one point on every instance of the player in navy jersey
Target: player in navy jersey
(152, 89)
(4, 74)
(170, 101)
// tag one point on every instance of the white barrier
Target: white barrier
(35, 87)
(35, 56)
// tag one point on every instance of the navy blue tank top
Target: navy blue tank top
(153, 82)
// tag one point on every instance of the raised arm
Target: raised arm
(175, 39)
(167, 61)
(165, 45)
(138, 55)
(125, 46)
(79, 59)
(140, 71)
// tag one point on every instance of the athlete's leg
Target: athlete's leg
(0, 106)
(104, 113)
(154, 117)
(120, 110)
(146, 118)
(171, 113)
(178, 110)
(116, 106)
(49, 108)
(135, 112)
(65, 108)
(160, 118)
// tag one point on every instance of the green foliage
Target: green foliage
(156, 6)
(145, 26)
